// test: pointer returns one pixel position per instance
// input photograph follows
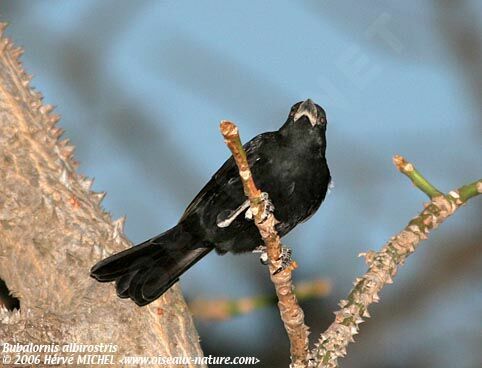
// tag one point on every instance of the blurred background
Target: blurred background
(142, 85)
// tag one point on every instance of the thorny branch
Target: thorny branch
(383, 265)
(291, 313)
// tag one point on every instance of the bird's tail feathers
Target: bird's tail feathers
(144, 272)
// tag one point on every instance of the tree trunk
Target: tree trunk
(52, 230)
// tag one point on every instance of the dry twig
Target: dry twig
(291, 313)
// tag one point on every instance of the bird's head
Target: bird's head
(308, 111)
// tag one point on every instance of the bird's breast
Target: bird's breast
(297, 181)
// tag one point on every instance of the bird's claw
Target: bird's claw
(268, 206)
(285, 258)
(263, 257)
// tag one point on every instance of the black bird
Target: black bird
(288, 164)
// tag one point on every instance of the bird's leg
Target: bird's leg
(263, 257)
(268, 206)
(225, 218)
(285, 258)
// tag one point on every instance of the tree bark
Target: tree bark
(53, 229)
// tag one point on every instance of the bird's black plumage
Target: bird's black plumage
(288, 164)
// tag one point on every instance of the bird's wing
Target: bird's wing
(228, 172)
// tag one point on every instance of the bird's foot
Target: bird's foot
(285, 257)
(263, 257)
(286, 260)
(268, 206)
(267, 210)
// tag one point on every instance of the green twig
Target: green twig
(470, 190)
(414, 175)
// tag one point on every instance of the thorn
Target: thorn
(53, 119)
(37, 95)
(68, 151)
(56, 132)
(86, 183)
(45, 109)
(74, 164)
(359, 320)
(98, 196)
(17, 52)
(27, 77)
(376, 298)
(119, 224)
(118, 228)
(66, 148)
(36, 105)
